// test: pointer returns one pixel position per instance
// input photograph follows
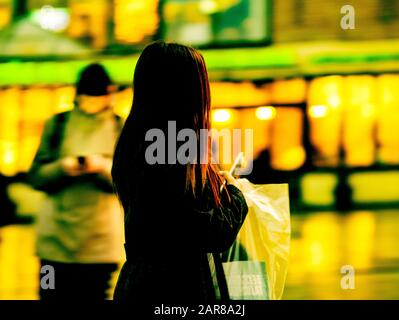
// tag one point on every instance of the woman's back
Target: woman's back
(175, 213)
(168, 235)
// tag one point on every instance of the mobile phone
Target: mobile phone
(237, 163)
(82, 161)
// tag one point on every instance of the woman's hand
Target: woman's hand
(71, 166)
(97, 164)
(229, 178)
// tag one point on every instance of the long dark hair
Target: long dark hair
(170, 84)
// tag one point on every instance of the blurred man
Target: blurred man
(80, 226)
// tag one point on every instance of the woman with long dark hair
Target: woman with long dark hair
(175, 214)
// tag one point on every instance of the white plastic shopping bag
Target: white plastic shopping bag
(256, 265)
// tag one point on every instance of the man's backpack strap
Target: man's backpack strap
(57, 136)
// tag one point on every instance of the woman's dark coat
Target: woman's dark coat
(168, 235)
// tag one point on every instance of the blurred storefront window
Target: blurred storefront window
(286, 149)
(324, 111)
(217, 22)
(354, 117)
(22, 121)
(277, 129)
(388, 119)
(318, 20)
(37, 4)
(89, 21)
(5, 12)
(244, 94)
(10, 114)
(359, 113)
(135, 21)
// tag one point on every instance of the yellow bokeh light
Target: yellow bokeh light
(8, 157)
(266, 113)
(135, 20)
(368, 111)
(222, 115)
(318, 111)
(334, 101)
(208, 6)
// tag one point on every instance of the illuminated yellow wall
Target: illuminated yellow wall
(359, 114)
(5, 13)
(359, 120)
(278, 129)
(286, 147)
(247, 118)
(244, 94)
(135, 20)
(89, 18)
(23, 112)
(288, 91)
(324, 111)
(375, 186)
(247, 94)
(224, 119)
(318, 188)
(260, 121)
(388, 118)
(9, 129)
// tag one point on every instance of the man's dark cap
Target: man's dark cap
(93, 81)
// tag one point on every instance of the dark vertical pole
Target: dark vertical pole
(308, 165)
(111, 23)
(160, 33)
(20, 8)
(306, 139)
(343, 191)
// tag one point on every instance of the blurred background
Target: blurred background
(323, 102)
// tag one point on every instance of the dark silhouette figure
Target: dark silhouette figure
(343, 191)
(7, 207)
(262, 171)
(80, 232)
(175, 215)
